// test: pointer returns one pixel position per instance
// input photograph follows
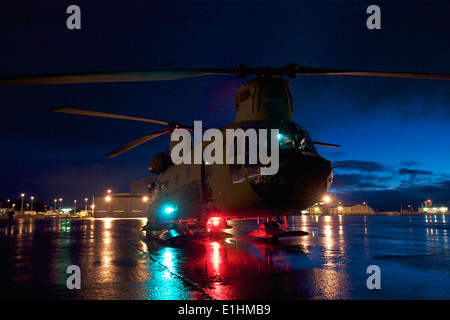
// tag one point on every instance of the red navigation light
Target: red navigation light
(214, 224)
(215, 221)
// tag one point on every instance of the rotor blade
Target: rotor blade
(113, 76)
(291, 70)
(323, 144)
(134, 143)
(106, 115)
(317, 71)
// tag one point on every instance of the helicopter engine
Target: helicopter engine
(160, 163)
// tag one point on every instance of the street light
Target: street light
(74, 206)
(21, 209)
(85, 200)
(55, 205)
(32, 198)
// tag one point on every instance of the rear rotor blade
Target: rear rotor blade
(105, 115)
(324, 144)
(135, 143)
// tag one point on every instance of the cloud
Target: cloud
(362, 166)
(410, 163)
(388, 187)
(414, 172)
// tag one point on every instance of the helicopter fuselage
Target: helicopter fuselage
(240, 190)
(189, 191)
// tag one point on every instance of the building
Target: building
(434, 209)
(429, 208)
(332, 205)
(124, 205)
(351, 209)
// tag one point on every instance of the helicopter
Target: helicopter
(191, 199)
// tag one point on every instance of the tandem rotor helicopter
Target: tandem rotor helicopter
(192, 199)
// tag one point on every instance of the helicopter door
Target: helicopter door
(206, 184)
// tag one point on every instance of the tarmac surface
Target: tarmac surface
(116, 261)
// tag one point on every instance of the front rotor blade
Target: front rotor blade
(317, 71)
(106, 115)
(135, 144)
(114, 76)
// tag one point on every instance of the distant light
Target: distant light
(169, 209)
(326, 199)
(145, 199)
(279, 136)
(108, 198)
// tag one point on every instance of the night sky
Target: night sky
(394, 132)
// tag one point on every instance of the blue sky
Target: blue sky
(394, 132)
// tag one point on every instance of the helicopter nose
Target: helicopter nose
(300, 182)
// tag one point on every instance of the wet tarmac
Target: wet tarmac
(117, 262)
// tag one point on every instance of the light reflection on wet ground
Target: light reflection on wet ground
(118, 262)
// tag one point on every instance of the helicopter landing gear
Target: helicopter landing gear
(175, 234)
(273, 230)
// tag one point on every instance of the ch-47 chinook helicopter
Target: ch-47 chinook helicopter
(204, 196)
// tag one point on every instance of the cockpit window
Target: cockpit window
(286, 141)
(304, 141)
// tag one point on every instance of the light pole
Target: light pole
(32, 198)
(55, 205)
(85, 201)
(60, 200)
(108, 199)
(21, 208)
(74, 206)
